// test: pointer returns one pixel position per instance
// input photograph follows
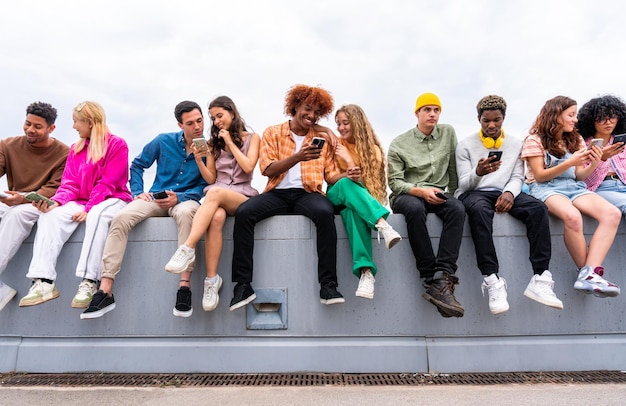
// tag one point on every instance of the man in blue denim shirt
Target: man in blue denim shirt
(177, 188)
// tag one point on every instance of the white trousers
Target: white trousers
(55, 228)
(16, 222)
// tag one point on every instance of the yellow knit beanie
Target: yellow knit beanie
(427, 99)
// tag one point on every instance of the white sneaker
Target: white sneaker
(180, 261)
(591, 281)
(366, 285)
(6, 294)
(390, 235)
(211, 297)
(496, 289)
(540, 290)
(39, 292)
(86, 290)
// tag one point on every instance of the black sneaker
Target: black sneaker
(183, 302)
(243, 295)
(330, 295)
(101, 303)
(441, 294)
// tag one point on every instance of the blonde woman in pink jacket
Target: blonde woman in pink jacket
(93, 188)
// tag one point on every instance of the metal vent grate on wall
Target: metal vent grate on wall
(308, 379)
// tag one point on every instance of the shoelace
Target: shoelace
(84, 287)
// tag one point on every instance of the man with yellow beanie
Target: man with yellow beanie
(423, 178)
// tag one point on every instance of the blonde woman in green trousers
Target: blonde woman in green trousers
(361, 193)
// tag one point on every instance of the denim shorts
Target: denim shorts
(567, 187)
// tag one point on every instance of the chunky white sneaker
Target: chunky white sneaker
(540, 290)
(6, 294)
(591, 281)
(366, 285)
(180, 261)
(496, 289)
(390, 235)
(86, 290)
(211, 297)
(39, 292)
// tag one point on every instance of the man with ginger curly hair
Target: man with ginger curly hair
(489, 184)
(296, 169)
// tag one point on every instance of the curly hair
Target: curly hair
(491, 102)
(300, 94)
(547, 126)
(366, 142)
(43, 110)
(598, 109)
(237, 126)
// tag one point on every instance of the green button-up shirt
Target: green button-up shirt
(417, 160)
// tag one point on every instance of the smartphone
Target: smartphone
(200, 144)
(497, 154)
(596, 141)
(318, 142)
(159, 195)
(36, 197)
(441, 196)
(619, 138)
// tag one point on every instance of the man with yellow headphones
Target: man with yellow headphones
(423, 177)
(490, 181)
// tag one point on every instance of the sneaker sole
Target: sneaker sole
(243, 302)
(590, 290)
(529, 294)
(335, 300)
(179, 270)
(38, 301)
(449, 310)
(217, 302)
(499, 311)
(80, 305)
(365, 295)
(393, 242)
(7, 298)
(96, 314)
(179, 313)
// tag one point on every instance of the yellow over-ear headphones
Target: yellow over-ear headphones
(489, 142)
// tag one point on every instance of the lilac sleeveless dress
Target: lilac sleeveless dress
(230, 175)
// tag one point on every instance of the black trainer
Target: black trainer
(440, 292)
(101, 303)
(242, 295)
(330, 295)
(183, 302)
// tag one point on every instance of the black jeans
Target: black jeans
(452, 213)
(480, 206)
(285, 201)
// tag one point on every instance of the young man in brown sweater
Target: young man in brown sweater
(33, 162)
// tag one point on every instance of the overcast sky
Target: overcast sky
(138, 58)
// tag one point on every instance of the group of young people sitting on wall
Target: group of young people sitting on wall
(568, 171)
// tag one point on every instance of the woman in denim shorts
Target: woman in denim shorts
(558, 162)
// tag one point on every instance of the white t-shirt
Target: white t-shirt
(293, 178)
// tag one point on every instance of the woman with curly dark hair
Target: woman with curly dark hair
(557, 163)
(605, 117)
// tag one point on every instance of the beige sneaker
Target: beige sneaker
(390, 235)
(85, 293)
(366, 285)
(39, 293)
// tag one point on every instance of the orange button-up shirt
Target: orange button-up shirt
(277, 143)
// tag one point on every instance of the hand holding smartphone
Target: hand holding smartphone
(200, 145)
(619, 138)
(36, 197)
(441, 195)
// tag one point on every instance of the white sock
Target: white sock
(212, 280)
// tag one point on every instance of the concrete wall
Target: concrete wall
(398, 331)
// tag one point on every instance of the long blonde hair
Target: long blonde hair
(93, 113)
(365, 141)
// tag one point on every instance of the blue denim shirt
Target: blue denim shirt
(176, 171)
